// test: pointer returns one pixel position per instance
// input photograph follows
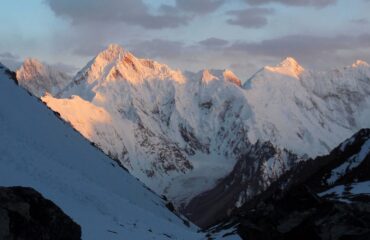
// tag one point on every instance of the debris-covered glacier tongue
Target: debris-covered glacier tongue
(181, 132)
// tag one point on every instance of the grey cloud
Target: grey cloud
(360, 21)
(65, 68)
(87, 50)
(127, 11)
(250, 18)
(10, 60)
(157, 48)
(302, 45)
(315, 51)
(8, 55)
(213, 42)
(199, 7)
(314, 3)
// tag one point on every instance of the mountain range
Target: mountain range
(208, 141)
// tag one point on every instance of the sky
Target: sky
(241, 35)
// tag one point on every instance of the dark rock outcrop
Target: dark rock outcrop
(26, 214)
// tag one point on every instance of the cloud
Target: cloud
(127, 11)
(10, 60)
(8, 55)
(314, 51)
(199, 7)
(157, 48)
(314, 3)
(360, 21)
(250, 18)
(303, 45)
(65, 68)
(213, 42)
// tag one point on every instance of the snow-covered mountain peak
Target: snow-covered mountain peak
(360, 63)
(289, 66)
(230, 76)
(32, 63)
(30, 68)
(39, 78)
(116, 64)
(207, 76)
(113, 51)
(226, 75)
(289, 61)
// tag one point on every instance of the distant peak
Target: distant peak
(231, 77)
(207, 76)
(289, 66)
(215, 74)
(31, 66)
(289, 62)
(32, 62)
(113, 51)
(360, 63)
(113, 47)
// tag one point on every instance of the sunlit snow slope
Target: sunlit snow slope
(39, 150)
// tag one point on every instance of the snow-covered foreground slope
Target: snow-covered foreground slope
(180, 132)
(39, 150)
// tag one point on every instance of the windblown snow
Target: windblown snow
(41, 151)
(180, 132)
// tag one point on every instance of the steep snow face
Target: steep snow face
(40, 151)
(39, 78)
(176, 132)
(308, 112)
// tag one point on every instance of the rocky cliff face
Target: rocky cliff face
(26, 214)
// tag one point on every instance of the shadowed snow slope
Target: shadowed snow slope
(181, 132)
(41, 151)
